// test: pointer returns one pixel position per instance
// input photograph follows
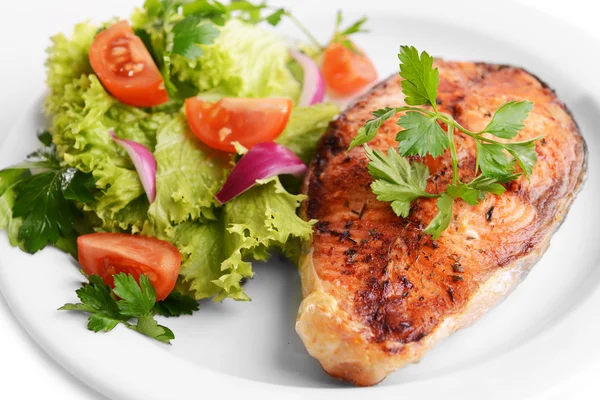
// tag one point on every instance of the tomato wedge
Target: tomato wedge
(107, 254)
(247, 121)
(346, 72)
(125, 67)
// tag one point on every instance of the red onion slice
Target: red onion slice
(144, 163)
(313, 88)
(262, 161)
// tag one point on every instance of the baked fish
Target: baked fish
(378, 292)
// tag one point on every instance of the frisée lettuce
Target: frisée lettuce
(244, 61)
(82, 181)
(224, 53)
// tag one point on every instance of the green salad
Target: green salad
(88, 176)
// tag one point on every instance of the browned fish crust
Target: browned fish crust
(389, 278)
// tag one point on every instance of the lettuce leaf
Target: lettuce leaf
(7, 196)
(67, 60)
(8, 181)
(262, 218)
(129, 219)
(217, 254)
(80, 132)
(203, 251)
(244, 61)
(305, 128)
(188, 176)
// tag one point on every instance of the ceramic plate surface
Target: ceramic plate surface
(542, 334)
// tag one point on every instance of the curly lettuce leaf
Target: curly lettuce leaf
(188, 176)
(305, 128)
(217, 254)
(262, 218)
(80, 131)
(67, 60)
(8, 181)
(203, 251)
(129, 219)
(244, 61)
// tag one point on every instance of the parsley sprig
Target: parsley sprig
(179, 27)
(131, 304)
(47, 194)
(400, 182)
(182, 28)
(341, 35)
(172, 32)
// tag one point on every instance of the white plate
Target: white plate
(544, 333)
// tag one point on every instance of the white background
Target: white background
(25, 371)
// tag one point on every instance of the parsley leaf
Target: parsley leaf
(44, 158)
(99, 322)
(508, 119)
(356, 27)
(465, 192)
(46, 138)
(135, 299)
(525, 155)
(128, 300)
(216, 11)
(147, 40)
(175, 305)
(154, 7)
(44, 201)
(97, 295)
(422, 135)
(341, 35)
(441, 221)
(367, 132)
(247, 11)
(96, 299)
(492, 185)
(421, 80)
(190, 33)
(148, 326)
(493, 160)
(475, 190)
(275, 18)
(168, 32)
(396, 180)
(77, 186)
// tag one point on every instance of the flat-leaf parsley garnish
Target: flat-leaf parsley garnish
(46, 200)
(399, 182)
(131, 304)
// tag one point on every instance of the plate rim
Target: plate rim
(189, 372)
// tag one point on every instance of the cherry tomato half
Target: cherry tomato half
(125, 67)
(346, 72)
(247, 121)
(107, 254)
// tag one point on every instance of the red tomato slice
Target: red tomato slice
(107, 254)
(247, 121)
(125, 67)
(346, 72)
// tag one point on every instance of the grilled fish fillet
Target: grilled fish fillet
(378, 293)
